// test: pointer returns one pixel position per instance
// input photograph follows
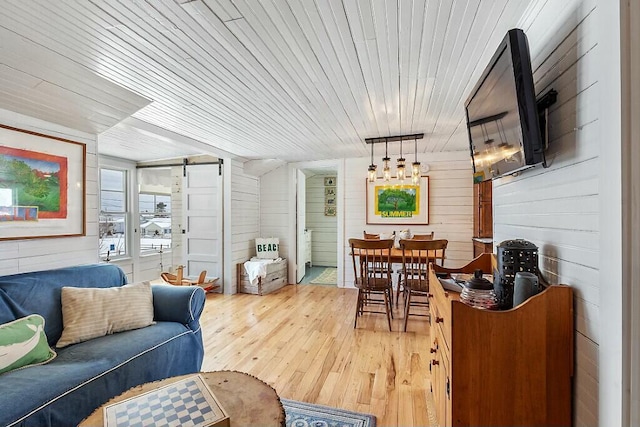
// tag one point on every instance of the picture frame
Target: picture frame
(42, 185)
(398, 203)
(329, 191)
(329, 181)
(330, 200)
(329, 211)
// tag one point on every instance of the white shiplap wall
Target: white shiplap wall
(18, 256)
(324, 243)
(245, 218)
(558, 208)
(275, 212)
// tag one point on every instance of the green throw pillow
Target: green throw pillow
(23, 343)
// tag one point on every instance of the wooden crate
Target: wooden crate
(275, 279)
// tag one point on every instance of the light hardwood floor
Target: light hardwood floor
(301, 341)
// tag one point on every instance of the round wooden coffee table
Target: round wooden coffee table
(247, 400)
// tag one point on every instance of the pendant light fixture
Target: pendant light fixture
(372, 171)
(401, 173)
(386, 170)
(415, 167)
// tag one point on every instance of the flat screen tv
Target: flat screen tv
(502, 115)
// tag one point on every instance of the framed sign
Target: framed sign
(394, 202)
(42, 185)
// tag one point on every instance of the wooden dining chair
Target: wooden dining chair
(371, 236)
(426, 236)
(416, 257)
(372, 273)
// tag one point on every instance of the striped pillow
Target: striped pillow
(94, 312)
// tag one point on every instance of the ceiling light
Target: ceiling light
(401, 171)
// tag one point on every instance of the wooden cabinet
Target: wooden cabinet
(501, 368)
(483, 209)
(481, 246)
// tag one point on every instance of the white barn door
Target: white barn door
(203, 221)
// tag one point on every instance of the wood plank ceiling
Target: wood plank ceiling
(287, 79)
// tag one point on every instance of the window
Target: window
(113, 213)
(155, 222)
(154, 207)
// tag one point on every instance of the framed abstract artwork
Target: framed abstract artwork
(394, 202)
(42, 185)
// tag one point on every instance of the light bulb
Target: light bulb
(386, 170)
(415, 172)
(401, 169)
(372, 173)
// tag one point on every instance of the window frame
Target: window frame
(153, 251)
(126, 214)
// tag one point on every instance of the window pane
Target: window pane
(155, 222)
(112, 180)
(147, 203)
(113, 213)
(154, 186)
(112, 201)
(112, 228)
(112, 191)
(163, 204)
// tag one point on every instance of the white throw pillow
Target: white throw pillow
(94, 312)
(267, 248)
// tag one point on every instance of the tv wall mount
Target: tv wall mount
(543, 103)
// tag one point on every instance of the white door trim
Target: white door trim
(338, 164)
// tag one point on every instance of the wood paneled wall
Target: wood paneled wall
(18, 256)
(324, 243)
(558, 208)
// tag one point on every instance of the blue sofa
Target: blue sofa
(85, 375)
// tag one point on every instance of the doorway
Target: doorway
(317, 226)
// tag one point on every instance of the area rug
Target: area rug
(329, 276)
(299, 414)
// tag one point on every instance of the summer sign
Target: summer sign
(398, 203)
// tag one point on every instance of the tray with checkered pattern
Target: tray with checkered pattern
(187, 402)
